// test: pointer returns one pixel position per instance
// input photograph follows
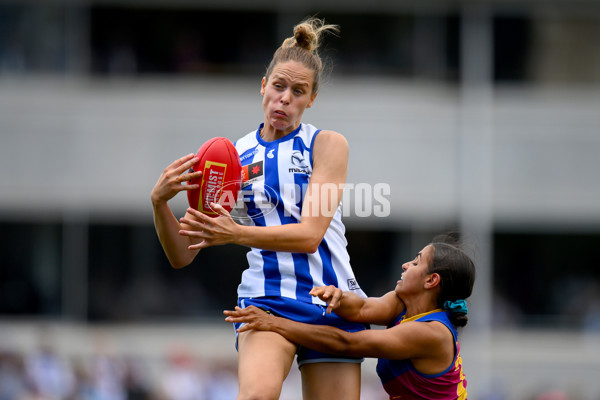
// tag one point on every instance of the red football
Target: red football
(221, 176)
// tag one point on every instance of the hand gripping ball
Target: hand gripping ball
(221, 176)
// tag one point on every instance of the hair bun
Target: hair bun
(306, 37)
(303, 48)
(452, 238)
(307, 34)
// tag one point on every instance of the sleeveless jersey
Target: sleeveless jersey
(275, 176)
(402, 381)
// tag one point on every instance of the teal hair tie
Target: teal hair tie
(456, 306)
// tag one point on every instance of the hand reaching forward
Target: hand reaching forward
(253, 318)
(330, 295)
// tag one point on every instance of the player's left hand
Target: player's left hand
(329, 294)
(253, 318)
(213, 231)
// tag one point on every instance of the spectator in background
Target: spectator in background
(12, 375)
(48, 374)
(182, 380)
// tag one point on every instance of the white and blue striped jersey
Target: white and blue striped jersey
(275, 176)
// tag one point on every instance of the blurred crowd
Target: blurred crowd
(45, 374)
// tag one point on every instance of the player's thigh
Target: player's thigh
(331, 381)
(264, 361)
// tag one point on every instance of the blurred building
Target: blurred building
(478, 116)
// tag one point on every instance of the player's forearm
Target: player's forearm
(293, 238)
(350, 307)
(322, 338)
(174, 245)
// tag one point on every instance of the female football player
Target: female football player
(419, 354)
(292, 225)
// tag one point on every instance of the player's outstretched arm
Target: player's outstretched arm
(317, 337)
(167, 227)
(411, 340)
(348, 305)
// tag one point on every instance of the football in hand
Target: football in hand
(219, 162)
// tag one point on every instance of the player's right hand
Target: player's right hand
(172, 179)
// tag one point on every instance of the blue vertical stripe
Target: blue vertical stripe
(271, 272)
(301, 180)
(271, 188)
(304, 282)
(312, 145)
(329, 276)
(248, 198)
(254, 212)
(301, 266)
(247, 158)
(271, 174)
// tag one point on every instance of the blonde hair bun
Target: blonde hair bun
(302, 47)
(307, 34)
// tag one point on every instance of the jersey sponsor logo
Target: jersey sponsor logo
(252, 172)
(262, 201)
(300, 166)
(298, 171)
(298, 159)
(249, 155)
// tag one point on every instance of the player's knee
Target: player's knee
(258, 395)
(262, 391)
